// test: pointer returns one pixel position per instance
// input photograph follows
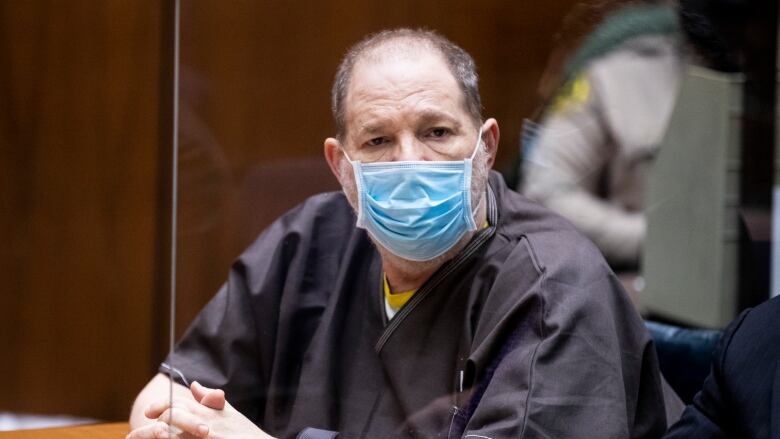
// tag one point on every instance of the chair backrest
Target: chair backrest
(684, 356)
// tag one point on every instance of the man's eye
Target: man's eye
(439, 132)
(376, 141)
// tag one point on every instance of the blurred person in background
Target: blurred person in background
(610, 102)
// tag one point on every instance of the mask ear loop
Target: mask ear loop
(357, 173)
(349, 159)
(476, 208)
(479, 141)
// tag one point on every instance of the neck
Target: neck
(405, 275)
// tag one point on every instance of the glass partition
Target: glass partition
(88, 169)
(618, 83)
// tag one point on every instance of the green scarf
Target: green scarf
(618, 27)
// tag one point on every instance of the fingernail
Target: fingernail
(203, 429)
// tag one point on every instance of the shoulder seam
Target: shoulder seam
(532, 253)
(542, 337)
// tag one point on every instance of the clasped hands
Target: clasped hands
(204, 415)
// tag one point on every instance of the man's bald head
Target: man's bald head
(406, 42)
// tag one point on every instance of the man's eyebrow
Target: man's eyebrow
(433, 116)
(370, 128)
(426, 117)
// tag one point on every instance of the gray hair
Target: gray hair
(460, 63)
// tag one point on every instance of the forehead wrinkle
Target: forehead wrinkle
(370, 122)
(375, 115)
(423, 102)
(394, 92)
(385, 92)
(389, 83)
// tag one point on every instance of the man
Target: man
(427, 300)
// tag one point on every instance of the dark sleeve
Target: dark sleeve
(584, 366)
(219, 349)
(708, 416)
(230, 344)
(262, 319)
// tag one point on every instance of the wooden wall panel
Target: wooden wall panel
(79, 93)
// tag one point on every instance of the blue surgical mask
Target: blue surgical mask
(417, 210)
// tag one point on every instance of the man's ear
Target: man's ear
(334, 156)
(490, 135)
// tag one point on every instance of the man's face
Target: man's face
(406, 107)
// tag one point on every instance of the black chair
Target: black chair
(684, 356)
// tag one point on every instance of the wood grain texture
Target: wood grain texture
(78, 178)
(98, 431)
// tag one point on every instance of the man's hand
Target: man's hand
(205, 415)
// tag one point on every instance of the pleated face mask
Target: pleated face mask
(417, 210)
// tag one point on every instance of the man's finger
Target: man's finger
(198, 390)
(186, 421)
(212, 398)
(155, 409)
(156, 430)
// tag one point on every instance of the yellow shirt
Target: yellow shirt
(396, 300)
